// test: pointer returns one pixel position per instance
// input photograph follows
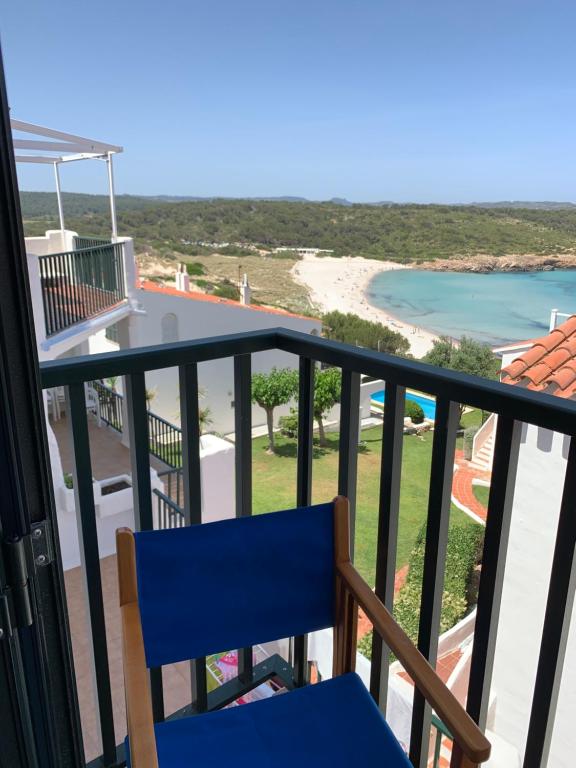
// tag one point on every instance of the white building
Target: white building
(547, 365)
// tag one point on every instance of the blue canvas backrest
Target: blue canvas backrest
(225, 585)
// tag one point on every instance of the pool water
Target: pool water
(428, 404)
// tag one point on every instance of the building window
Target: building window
(169, 328)
(112, 333)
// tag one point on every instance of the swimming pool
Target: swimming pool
(428, 404)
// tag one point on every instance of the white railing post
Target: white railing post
(553, 319)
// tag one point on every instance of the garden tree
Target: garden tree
(327, 391)
(269, 390)
(352, 329)
(466, 356)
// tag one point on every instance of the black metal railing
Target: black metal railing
(80, 284)
(89, 242)
(165, 440)
(514, 407)
(173, 480)
(110, 405)
(168, 513)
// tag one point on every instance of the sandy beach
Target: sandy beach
(340, 284)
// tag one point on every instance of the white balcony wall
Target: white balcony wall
(54, 241)
(535, 513)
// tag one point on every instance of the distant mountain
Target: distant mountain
(340, 201)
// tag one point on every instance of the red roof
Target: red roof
(550, 363)
(148, 285)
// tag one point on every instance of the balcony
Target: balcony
(78, 285)
(187, 688)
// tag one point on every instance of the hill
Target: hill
(396, 232)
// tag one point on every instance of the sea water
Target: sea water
(497, 307)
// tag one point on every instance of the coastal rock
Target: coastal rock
(484, 263)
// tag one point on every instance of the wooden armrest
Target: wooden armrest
(137, 685)
(136, 677)
(466, 733)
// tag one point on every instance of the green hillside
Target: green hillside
(397, 232)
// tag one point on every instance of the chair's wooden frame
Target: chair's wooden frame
(471, 748)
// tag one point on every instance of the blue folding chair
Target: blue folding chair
(189, 592)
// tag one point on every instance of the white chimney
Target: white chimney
(182, 278)
(245, 291)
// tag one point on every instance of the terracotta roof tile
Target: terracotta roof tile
(569, 327)
(148, 285)
(549, 365)
(534, 354)
(538, 373)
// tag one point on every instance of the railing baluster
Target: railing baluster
(348, 447)
(243, 467)
(388, 517)
(142, 491)
(75, 310)
(502, 484)
(80, 284)
(304, 485)
(120, 259)
(191, 473)
(51, 283)
(441, 472)
(66, 287)
(60, 305)
(88, 540)
(556, 624)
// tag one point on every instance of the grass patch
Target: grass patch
(481, 493)
(274, 484)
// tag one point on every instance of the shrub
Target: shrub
(68, 480)
(460, 587)
(352, 329)
(365, 645)
(414, 411)
(289, 424)
(227, 290)
(195, 268)
(468, 441)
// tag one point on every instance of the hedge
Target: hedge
(414, 411)
(468, 441)
(289, 424)
(460, 589)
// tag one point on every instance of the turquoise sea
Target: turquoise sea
(495, 308)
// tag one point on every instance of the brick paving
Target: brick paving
(462, 489)
(364, 623)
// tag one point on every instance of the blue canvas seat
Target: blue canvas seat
(189, 592)
(334, 723)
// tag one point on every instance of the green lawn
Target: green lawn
(274, 484)
(481, 493)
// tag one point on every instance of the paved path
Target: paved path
(462, 490)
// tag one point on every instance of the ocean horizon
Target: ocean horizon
(494, 307)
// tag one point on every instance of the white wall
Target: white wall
(217, 478)
(54, 241)
(199, 319)
(535, 512)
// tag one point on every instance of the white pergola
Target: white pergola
(64, 148)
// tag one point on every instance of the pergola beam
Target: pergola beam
(59, 146)
(71, 138)
(70, 148)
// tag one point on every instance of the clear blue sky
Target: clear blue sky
(405, 100)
